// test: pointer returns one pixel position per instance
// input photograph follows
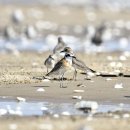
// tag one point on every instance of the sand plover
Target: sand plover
(50, 62)
(64, 65)
(76, 63)
(60, 45)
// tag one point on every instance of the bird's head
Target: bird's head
(67, 50)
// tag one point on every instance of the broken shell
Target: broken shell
(78, 91)
(118, 85)
(77, 97)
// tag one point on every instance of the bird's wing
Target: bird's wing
(56, 68)
(59, 47)
(81, 65)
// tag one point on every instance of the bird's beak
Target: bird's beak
(61, 51)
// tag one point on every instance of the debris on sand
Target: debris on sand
(40, 90)
(87, 106)
(21, 99)
(77, 97)
(118, 86)
(81, 85)
(78, 91)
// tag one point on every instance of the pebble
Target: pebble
(45, 80)
(13, 126)
(78, 91)
(122, 58)
(20, 99)
(40, 90)
(126, 115)
(3, 111)
(44, 108)
(66, 113)
(81, 85)
(118, 86)
(56, 116)
(113, 64)
(108, 79)
(116, 116)
(77, 97)
(110, 58)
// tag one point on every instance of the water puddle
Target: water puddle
(43, 108)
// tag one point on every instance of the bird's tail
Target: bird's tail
(93, 71)
(48, 74)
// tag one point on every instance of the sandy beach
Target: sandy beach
(22, 75)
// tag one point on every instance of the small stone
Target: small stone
(66, 113)
(116, 116)
(122, 58)
(56, 116)
(45, 80)
(77, 97)
(113, 64)
(13, 126)
(118, 86)
(78, 91)
(81, 85)
(108, 79)
(40, 90)
(110, 58)
(20, 99)
(126, 115)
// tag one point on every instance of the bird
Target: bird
(60, 45)
(50, 62)
(97, 38)
(76, 63)
(64, 65)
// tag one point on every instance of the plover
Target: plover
(76, 63)
(64, 65)
(60, 45)
(97, 39)
(50, 62)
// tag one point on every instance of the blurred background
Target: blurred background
(85, 25)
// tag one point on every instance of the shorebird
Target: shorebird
(64, 65)
(97, 39)
(60, 45)
(76, 63)
(50, 62)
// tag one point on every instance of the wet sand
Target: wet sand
(20, 76)
(97, 89)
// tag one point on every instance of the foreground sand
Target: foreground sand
(21, 75)
(64, 123)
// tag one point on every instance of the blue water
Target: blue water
(43, 108)
(42, 45)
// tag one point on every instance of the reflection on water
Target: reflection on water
(43, 108)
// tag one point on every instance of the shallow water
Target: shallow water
(43, 108)
(42, 45)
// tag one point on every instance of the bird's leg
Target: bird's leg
(61, 81)
(47, 70)
(75, 75)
